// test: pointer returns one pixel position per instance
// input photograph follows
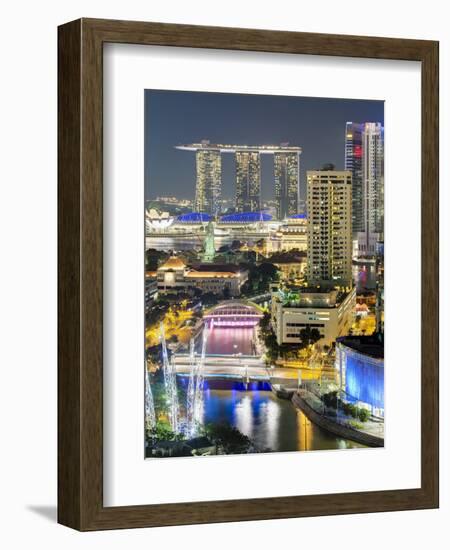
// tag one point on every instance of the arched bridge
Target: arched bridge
(234, 313)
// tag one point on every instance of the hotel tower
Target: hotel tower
(248, 176)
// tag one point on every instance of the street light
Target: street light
(306, 423)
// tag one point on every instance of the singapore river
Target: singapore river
(271, 423)
(227, 341)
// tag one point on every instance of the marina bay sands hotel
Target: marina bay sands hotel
(208, 187)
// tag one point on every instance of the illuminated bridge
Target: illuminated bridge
(234, 314)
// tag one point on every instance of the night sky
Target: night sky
(315, 124)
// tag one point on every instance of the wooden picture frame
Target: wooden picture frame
(80, 272)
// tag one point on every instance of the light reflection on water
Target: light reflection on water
(271, 423)
(230, 340)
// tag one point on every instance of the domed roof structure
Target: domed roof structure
(298, 217)
(194, 217)
(174, 262)
(246, 217)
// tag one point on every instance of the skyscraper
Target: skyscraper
(248, 181)
(248, 176)
(364, 157)
(373, 177)
(209, 180)
(353, 162)
(329, 227)
(287, 177)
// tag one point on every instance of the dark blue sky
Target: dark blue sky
(315, 124)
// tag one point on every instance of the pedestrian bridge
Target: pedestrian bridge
(233, 313)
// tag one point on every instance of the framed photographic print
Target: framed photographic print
(248, 274)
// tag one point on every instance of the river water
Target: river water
(271, 423)
(230, 340)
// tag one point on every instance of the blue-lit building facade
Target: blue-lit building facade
(246, 217)
(360, 365)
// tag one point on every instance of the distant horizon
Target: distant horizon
(173, 118)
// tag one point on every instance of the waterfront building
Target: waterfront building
(360, 365)
(196, 218)
(245, 218)
(287, 181)
(175, 275)
(329, 230)
(248, 181)
(330, 311)
(157, 220)
(364, 157)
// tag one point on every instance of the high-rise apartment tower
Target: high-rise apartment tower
(329, 227)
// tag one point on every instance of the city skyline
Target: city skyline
(262, 292)
(316, 125)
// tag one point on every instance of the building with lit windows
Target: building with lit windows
(248, 181)
(208, 184)
(364, 158)
(248, 176)
(329, 311)
(175, 275)
(373, 176)
(353, 163)
(286, 168)
(291, 265)
(293, 233)
(360, 366)
(329, 227)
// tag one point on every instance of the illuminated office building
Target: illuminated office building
(286, 172)
(248, 181)
(329, 227)
(364, 157)
(373, 177)
(353, 163)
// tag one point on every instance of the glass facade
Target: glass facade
(362, 377)
(364, 157)
(353, 163)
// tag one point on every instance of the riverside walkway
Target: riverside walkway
(371, 433)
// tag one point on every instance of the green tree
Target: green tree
(230, 438)
(363, 414)
(309, 335)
